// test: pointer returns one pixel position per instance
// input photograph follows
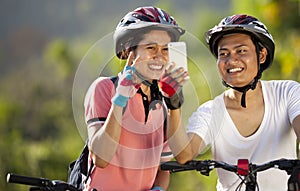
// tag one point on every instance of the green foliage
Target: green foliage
(58, 56)
(40, 137)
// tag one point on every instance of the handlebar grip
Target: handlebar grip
(174, 166)
(171, 165)
(19, 179)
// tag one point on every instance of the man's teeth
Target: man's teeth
(235, 70)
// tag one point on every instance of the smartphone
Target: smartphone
(178, 54)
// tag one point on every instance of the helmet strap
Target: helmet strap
(245, 88)
(144, 81)
(147, 83)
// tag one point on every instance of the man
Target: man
(253, 119)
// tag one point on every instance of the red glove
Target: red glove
(168, 85)
(171, 91)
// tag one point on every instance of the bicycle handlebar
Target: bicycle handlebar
(42, 183)
(243, 168)
(32, 181)
(205, 166)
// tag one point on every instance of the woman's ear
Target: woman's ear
(263, 55)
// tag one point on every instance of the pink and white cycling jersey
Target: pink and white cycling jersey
(136, 161)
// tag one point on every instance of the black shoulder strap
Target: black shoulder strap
(88, 169)
(165, 123)
(114, 79)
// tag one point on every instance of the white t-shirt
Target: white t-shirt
(274, 139)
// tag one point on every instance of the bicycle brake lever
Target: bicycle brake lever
(205, 166)
(59, 185)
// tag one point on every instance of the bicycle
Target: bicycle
(40, 184)
(246, 171)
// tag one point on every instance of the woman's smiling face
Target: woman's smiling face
(151, 54)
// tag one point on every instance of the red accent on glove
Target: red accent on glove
(168, 85)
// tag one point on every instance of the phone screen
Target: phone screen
(178, 54)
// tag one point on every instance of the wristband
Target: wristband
(120, 100)
(157, 188)
(175, 101)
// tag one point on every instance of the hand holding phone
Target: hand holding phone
(178, 54)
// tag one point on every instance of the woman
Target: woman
(126, 121)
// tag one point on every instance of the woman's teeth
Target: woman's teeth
(155, 67)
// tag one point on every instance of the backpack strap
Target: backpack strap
(86, 169)
(115, 80)
(78, 168)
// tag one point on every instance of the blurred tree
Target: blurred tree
(59, 58)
